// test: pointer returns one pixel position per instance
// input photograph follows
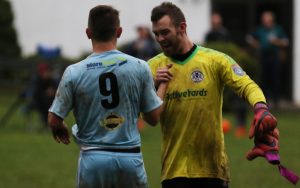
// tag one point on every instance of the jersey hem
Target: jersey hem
(195, 176)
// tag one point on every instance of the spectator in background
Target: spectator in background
(41, 92)
(269, 38)
(44, 90)
(144, 46)
(218, 33)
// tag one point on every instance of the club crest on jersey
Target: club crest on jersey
(197, 76)
(112, 121)
(238, 70)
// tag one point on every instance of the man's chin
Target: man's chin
(167, 52)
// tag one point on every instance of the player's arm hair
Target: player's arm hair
(153, 117)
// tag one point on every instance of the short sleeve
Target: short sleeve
(281, 33)
(63, 101)
(150, 100)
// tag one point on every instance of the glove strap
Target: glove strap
(289, 175)
(273, 158)
(259, 106)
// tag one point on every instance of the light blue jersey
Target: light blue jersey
(106, 92)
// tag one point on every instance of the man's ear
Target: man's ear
(182, 27)
(119, 32)
(88, 33)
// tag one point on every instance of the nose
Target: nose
(159, 38)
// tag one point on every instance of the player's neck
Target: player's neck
(99, 47)
(186, 46)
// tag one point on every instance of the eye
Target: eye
(164, 32)
(155, 34)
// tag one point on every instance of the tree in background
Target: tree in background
(9, 46)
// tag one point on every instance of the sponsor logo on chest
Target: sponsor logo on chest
(196, 77)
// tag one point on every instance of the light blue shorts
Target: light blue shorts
(103, 169)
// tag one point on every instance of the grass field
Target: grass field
(29, 157)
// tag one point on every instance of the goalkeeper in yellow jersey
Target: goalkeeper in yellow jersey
(193, 152)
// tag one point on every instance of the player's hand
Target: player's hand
(163, 75)
(60, 133)
(263, 121)
(266, 146)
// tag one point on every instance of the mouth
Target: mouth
(165, 46)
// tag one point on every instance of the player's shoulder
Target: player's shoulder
(215, 56)
(158, 58)
(134, 59)
(212, 53)
(77, 66)
(135, 63)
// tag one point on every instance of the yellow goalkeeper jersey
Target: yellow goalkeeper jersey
(192, 137)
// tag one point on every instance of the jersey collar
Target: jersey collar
(187, 59)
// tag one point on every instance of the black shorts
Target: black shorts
(194, 183)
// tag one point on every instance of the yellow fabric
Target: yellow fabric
(193, 141)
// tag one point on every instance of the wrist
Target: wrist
(156, 83)
(161, 90)
(260, 106)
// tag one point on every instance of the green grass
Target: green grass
(259, 173)
(30, 158)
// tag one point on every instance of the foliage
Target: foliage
(9, 46)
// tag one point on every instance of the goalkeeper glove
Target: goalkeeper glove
(263, 122)
(266, 146)
(266, 135)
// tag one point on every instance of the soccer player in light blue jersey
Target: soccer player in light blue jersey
(106, 92)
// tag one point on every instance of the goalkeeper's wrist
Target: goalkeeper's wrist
(260, 106)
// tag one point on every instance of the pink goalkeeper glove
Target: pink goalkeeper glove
(266, 146)
(266, 140)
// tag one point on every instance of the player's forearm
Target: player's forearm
(161, 90)
(153, 117)
(250, 91)
(255, 95)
